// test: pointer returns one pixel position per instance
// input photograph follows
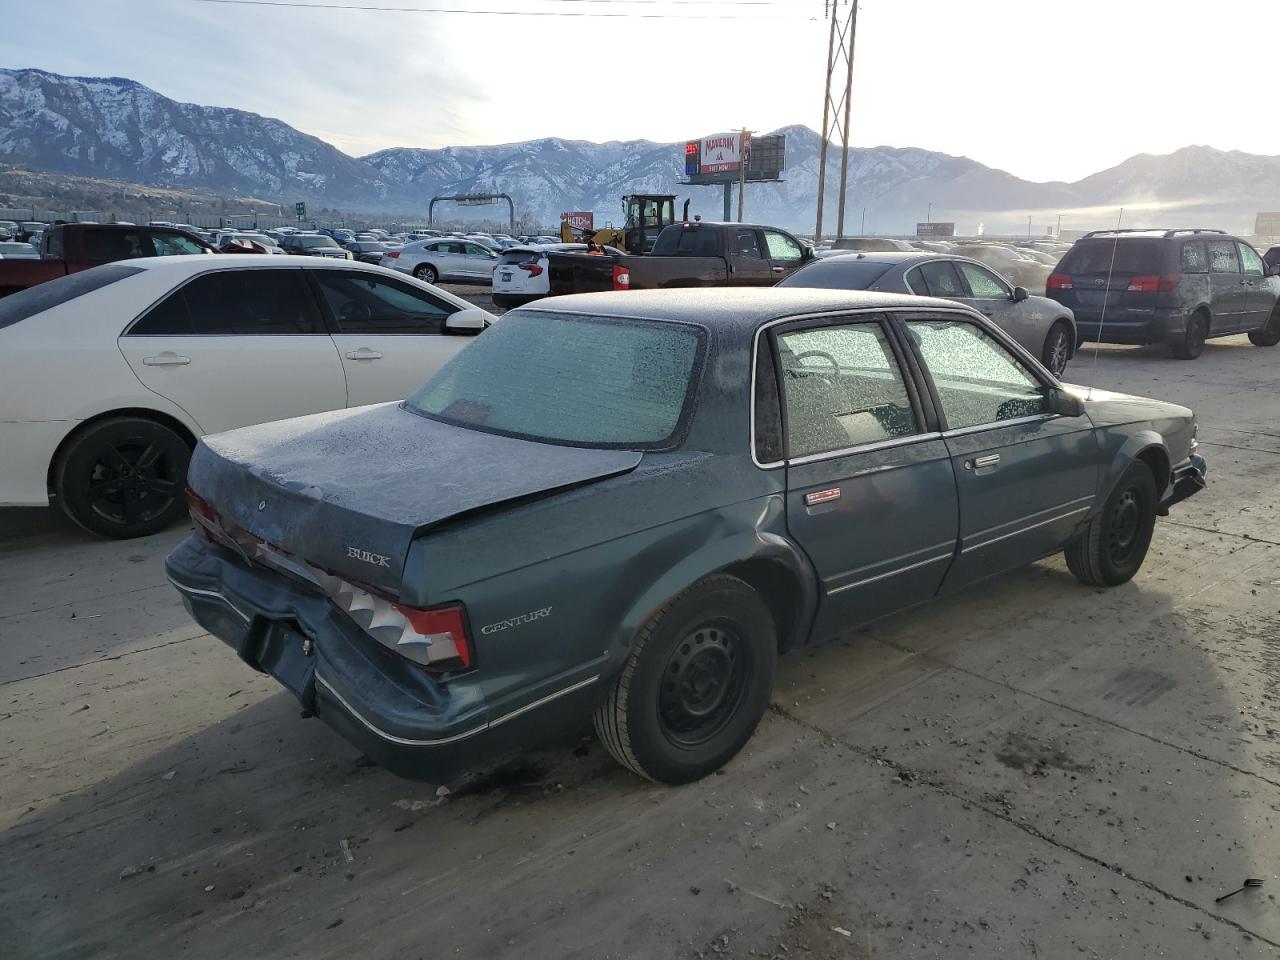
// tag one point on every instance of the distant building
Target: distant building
(1266, 225)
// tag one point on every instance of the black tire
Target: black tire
(696, 684)
(1114, 544)
(1269, 335)
(123, 477)
(1191, 344)
(1057, 348)
(426, 273)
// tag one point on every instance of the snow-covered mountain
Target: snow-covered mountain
(117, 128)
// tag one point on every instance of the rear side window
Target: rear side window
(842, 388)
(234, 303)
(1194, 257)
(116, 245)
(1095, 257)
(938, 279)
(685, 242)
(749, 245)
(45, 296)
(1223, 257)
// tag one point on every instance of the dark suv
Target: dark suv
(1178, 287)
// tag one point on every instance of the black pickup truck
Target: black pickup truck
(693, 253)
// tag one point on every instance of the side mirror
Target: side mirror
(1064, 404)
(467, 322)
(1019, 294)
(806, 253)
(1273, 270)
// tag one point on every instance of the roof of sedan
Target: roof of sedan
(746, 307)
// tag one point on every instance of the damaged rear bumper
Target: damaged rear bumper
(1188, 479)
(416, 724)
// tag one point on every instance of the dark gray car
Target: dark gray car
(1044, 327)
(628, 506)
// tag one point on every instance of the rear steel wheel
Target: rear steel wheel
(695, 684)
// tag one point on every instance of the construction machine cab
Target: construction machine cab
(646, 216)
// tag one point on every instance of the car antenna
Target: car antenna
(1102, 320)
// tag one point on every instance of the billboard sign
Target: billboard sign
(723, 152)
(934, 230)
(579, 219)
(723, 157)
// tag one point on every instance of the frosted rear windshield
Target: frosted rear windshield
(571, 379)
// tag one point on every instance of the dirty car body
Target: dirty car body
(453, 577)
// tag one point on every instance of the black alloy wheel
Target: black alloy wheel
(123, 477)
(1057, 349)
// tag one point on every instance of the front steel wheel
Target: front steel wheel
(1113, 546)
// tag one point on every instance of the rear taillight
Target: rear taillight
(392, 254)
(443, 630)
(1058, 281)
(205, 518)
(1153, 283)
(621, 277)
(531, 268)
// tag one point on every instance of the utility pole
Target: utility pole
(928, 217)
(744, 147)
(839, 45)
(1059, 233)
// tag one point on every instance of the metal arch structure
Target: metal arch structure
(472, 200)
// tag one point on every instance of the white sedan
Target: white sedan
(108, 376)
(443, 258)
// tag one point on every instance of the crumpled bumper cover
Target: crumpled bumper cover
(1188, 480)
(415, 724)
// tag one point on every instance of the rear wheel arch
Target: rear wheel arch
(141, 413)
(780, 588)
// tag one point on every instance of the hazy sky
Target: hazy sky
(1046, 89)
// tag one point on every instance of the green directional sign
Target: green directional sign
(300, 209)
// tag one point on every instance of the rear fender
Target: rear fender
(710, 543)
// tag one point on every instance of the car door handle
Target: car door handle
(364, 353)
(990, 460)
(166, 359)
(779, 269)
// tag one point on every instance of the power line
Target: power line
(297, 5)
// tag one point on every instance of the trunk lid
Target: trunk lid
(349, 490)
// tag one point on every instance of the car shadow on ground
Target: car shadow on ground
(266, 831)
